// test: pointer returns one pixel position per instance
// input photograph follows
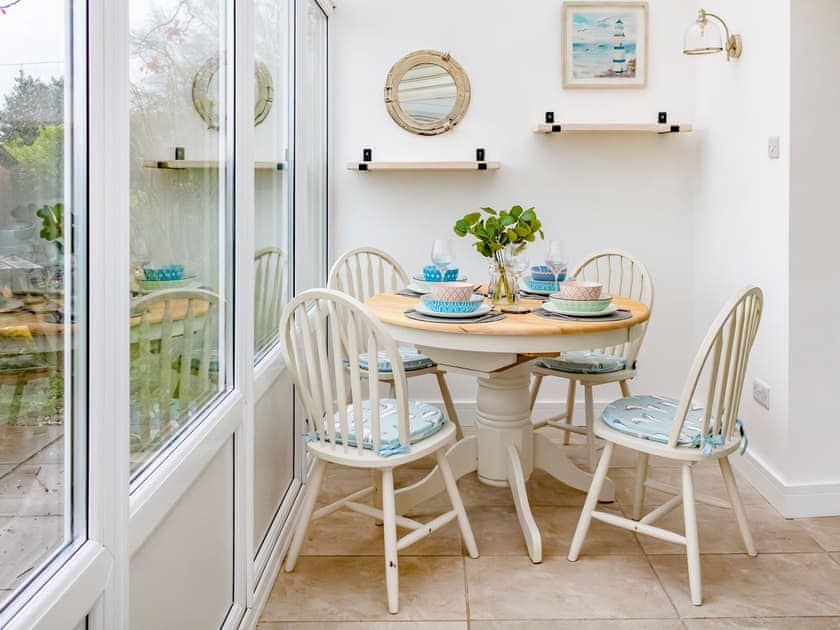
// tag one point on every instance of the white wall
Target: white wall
(635, 193)
(814, 228)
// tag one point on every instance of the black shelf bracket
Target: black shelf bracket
(663, 118)
(479, 154)
(367, 155)
(556, 128)
(549, 118)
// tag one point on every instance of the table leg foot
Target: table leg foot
(463, 459)
(550, 457)
(516, 479)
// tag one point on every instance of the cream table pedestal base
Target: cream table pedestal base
(504, 452)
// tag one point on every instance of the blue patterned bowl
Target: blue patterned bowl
(439, 306)
(535, 285)
(432, 274)
(158, 273)
(543, 273)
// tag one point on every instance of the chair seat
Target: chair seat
(424, 420)
(411, 358)
(584, 362)
(650, 418)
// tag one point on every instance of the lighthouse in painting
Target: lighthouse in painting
(619, 57)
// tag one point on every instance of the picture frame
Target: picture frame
(605, 44)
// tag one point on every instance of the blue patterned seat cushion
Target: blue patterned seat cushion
(650, 418)
(423, 420)
(411, 358)
(584, 362)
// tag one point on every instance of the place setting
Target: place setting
(446, 296)
(582, 302)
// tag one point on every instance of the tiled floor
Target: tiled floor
(621, 580)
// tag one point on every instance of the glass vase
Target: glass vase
(503, 287)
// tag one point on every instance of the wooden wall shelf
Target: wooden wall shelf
(651, 128)
(180, 165)
(423, 166)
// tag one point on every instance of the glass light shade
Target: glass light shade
(703, 37)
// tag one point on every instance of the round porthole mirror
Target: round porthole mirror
(205, 92)
(427, 92)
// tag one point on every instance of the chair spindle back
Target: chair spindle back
(365, 272)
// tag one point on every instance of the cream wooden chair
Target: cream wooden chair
(269, 286)
(685, 432)
(367, 271)
(621, 274)
(324, 331)
(172, 345)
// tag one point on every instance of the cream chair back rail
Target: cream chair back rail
(505, 449)
(171, 331)
(269, 290)
(367, 271)
(697, 434)
(323, 332)
(621, 274)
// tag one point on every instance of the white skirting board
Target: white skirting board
(792, 500)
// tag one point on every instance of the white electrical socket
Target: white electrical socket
(761, 393)
(773, 147)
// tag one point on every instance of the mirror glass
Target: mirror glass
(427, 93)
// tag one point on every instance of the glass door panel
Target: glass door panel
(273, 174)
(43, 215)
(181, 209)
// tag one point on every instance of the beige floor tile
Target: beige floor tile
(353, 589)
(825, 530)
(707, 481)
(33, 490)
(719, 532)
(498, 532)
(836, 556)
(606, 587)
(25, 543)
(53, 453)
(777, 623)
(346, 533)
(19, 443)
(363, 625)
(770, 585)
(579, 624)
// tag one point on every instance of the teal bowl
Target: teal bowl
(439, 306)
(538, 285)
(159, 273)
(581, 306)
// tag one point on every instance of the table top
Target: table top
(390, 308)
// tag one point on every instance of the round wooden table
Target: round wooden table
(505, 449)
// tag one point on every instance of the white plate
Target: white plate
(481, 310)
(548, 306)
(418, 289)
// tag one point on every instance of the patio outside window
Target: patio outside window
(42, 319)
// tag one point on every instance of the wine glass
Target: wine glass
(442, 255)
(555, 258)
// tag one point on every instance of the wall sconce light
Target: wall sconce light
(704, 37)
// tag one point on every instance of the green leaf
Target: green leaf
(489, 211)
(472, 218)
(528, 216)
(507, 220)
(516, 211)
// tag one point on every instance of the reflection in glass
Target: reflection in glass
(42, 216)
(311, 191)
(427, 93)
(272, 186)
(179, 218)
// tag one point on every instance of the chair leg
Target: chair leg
(376, 495)
(457, 503)
(389, 531)
(306, 509)
(590, 427)
(570, 409)
(639, 485)
(625, 389)
(535, 389)
(591, 502)
(392, 392)
(692, 541)
(737, 505)
(449, 405)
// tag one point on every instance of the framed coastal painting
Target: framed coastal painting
(605, 44)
